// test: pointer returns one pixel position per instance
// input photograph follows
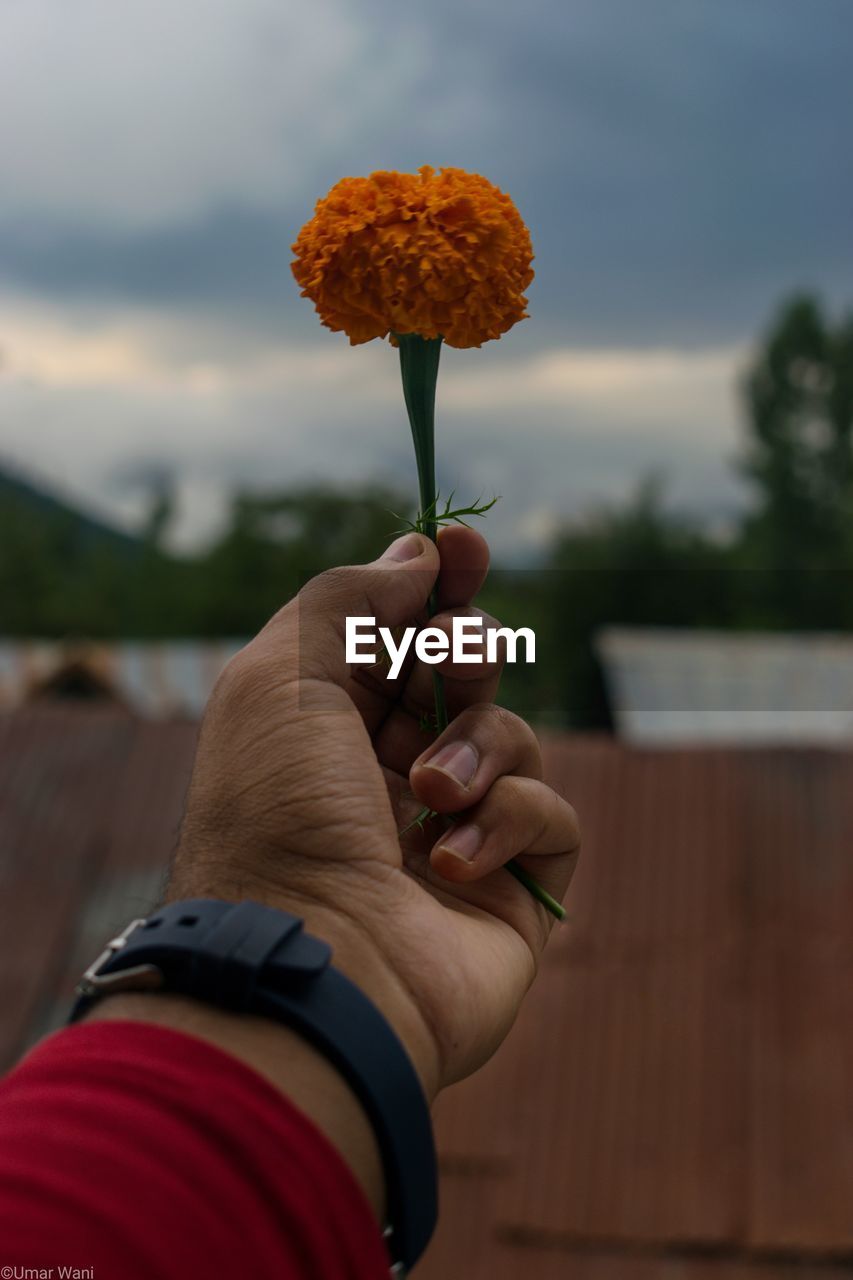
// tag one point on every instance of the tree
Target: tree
(637, 565)
(63, 574)
(274, 542)
(799, 460)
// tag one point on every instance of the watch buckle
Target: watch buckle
(140, 977)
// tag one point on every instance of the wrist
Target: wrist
(258, 962)
(357, 953)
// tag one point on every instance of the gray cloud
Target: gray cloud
(681, 164)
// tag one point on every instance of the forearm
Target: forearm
(109, 1127)
(283, 1056)
(285, 1059)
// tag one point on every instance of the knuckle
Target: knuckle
(232, 675)
(505, 800)
(445, 617)
(558, 819)
(574, 823)
(247, 678)
(512, 726)
(548, 806)
(497, 725)
(491, 715)
(562, 818)
(507, 720)
(324, 587)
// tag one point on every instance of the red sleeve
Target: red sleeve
(147, 1154)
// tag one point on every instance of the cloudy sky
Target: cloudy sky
(683, 165)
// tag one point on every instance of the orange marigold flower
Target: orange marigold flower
(441, 254)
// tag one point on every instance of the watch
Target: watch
(255, 959)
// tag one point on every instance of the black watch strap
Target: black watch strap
(255, 959)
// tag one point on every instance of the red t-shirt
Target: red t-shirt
(147, 1154)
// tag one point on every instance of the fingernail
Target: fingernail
(405, 548)
(463, 842)
(458, 760)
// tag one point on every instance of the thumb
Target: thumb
(394, 590)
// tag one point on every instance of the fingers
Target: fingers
(393, 590)
(464, 682)
(483, 743)
(517, 816)
(464, 565)
(394, 709)
(405, 732)
(396, 588)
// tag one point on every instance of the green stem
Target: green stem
(532, 886)
(419, 359)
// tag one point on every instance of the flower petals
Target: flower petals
(443, 254)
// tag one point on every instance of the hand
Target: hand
(307, 770)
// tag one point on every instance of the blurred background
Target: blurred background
(671, 437)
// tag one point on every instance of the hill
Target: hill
(24, 500)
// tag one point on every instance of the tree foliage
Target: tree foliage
(786, 566)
